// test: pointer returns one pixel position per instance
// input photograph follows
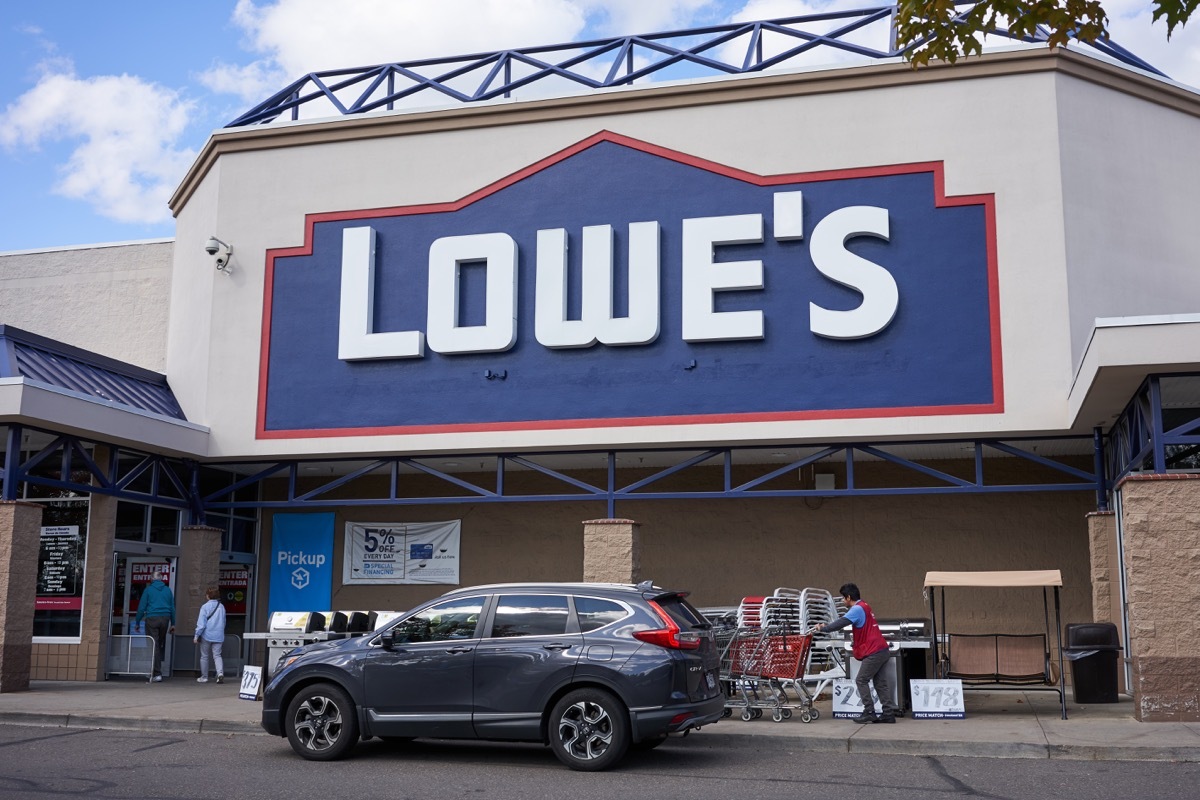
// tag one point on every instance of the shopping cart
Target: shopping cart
(758, 665)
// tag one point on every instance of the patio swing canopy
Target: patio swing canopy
(1031, 577)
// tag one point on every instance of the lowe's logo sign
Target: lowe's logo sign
(618, 283)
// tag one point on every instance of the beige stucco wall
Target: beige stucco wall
(723, 550)
(112, 299)
(257, 191)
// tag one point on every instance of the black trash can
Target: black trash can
(1092, 649)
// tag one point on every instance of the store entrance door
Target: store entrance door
(131, 575)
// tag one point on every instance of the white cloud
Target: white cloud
(294, 37)
(127, 163)
(252, 83)
(303, 36)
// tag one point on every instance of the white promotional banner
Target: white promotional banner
(409, 552)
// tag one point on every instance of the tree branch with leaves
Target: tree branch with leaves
(939, 29)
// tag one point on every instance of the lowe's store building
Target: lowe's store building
(515, 316)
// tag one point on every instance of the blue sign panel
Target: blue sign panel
(619, 283)
(301, 562)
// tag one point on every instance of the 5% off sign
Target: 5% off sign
(937, 699)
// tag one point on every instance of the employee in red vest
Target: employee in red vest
(871, 650)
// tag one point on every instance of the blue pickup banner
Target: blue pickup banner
(301, 562)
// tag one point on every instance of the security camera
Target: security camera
(222, 251)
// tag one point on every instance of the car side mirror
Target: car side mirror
(387, 639)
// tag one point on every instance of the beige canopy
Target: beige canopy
(1032, 577)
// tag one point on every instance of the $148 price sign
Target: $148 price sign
(941, 699)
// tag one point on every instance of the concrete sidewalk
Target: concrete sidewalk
(998, 725)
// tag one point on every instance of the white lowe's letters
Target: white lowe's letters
(597, 323)
(357, 339)
(701, 274)
(881, 298)
(499, 329)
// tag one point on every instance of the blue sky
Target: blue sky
(105, 105)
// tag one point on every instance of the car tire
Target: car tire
(321, 722)
(589, 730)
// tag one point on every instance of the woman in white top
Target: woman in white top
(210, 635)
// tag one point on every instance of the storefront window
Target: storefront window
(131, 522)
(164, 526)
(1181, 412)
(239, 526)
(150, 524)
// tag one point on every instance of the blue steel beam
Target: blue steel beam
(561, 60)
(1129, 446)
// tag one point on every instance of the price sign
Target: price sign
(941, 699)
(846, 702)
(251, 684)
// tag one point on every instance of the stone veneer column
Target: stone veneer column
(199, 568)
(1106, 588)
(1160, 523)
(1106, 580)
(98, 586)
(20, 543)
(612, 551)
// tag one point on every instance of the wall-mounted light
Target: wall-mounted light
(221, 253)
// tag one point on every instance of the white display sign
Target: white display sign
(937, 699)
(399, 553)
(846, 702)
(251, 688)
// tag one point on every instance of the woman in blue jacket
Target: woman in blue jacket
(210, 635)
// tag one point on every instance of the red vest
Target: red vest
(868, 639)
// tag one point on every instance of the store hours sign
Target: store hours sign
(401, 553)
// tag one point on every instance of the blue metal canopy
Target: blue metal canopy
(36, 358)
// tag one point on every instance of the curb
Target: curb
(811, 744)
(150, 724)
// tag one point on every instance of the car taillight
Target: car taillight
(670, 636)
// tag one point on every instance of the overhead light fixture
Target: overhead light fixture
(221, 253)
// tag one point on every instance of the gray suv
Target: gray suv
(590, 669)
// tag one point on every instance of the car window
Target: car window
(595, 613)
(684, 614)
(453, 619)
(530, 615)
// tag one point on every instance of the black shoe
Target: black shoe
(863, 719)
(886, 718)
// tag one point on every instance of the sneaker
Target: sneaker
(202, 679)
(887, 718)
(864, 718)
(220, 679)
(157, 679)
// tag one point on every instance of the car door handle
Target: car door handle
(555, 646)
(457, 650)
